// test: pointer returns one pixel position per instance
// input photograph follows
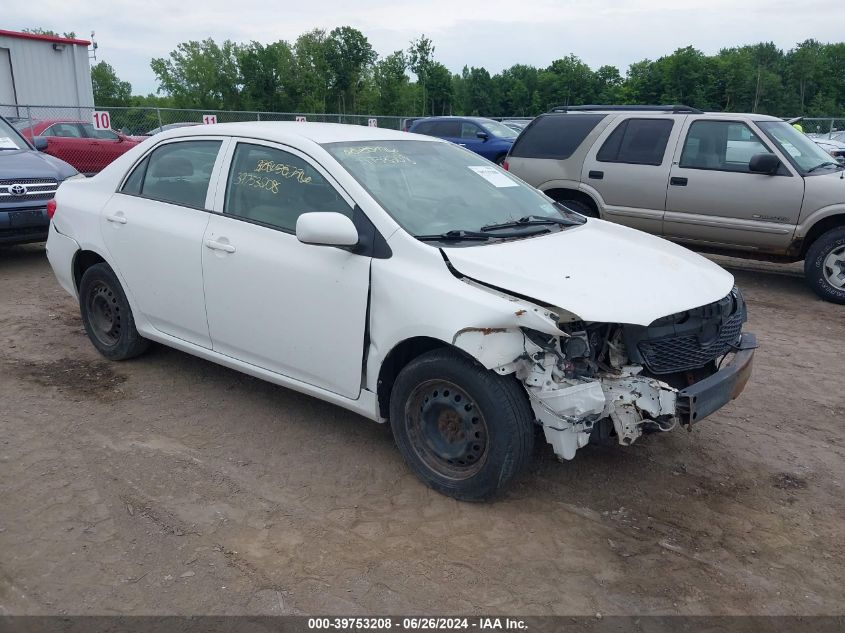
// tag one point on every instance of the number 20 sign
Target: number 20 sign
(102, 121)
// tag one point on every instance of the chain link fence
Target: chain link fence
(90, 138)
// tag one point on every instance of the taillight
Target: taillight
(51, 208)
(506, 166)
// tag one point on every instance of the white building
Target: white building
(43, 70)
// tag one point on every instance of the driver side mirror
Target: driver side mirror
(326, 229)
(40, 143)
(764, 164)
(482, 135)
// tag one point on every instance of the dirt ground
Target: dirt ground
(169, 485)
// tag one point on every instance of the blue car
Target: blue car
(486, 137)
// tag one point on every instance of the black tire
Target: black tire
(107, 316)
(819, 272)
(580, 207)
(464, 431)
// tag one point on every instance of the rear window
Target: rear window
(637, 142)
(555, 136)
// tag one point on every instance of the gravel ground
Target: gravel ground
(169, 485)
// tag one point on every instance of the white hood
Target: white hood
(599, 271)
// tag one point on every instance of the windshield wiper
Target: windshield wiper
(454, 236)
(530, 220)
(827, 163)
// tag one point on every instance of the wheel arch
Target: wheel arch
(562, 193)
(82, 261)
(820, 228)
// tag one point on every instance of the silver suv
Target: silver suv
(746, 185)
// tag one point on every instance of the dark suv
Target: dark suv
(486, 137)
(28, 180)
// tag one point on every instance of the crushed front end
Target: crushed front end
(600, 381)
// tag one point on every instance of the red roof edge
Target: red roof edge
(45, 38)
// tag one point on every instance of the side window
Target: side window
(720, 145)
(554, 136)
(132, 186)
(423, 128)
(63, 130)
(272, 187)
(104, 135)
(637, 142)
(470, 130)
(450, 129)
(179, 173)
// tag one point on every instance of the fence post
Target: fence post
(158, 113)
(258, 116)
(31, 129)
(830, 135)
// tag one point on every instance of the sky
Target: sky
(494, 34)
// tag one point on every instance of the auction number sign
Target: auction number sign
(102, 121)
(300, 119)
(209, 119)
(372, 122)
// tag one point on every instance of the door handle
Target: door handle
(117, 219)
(596, 175)
(678, 182)
(219, 246)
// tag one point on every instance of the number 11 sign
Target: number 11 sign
(209, 119)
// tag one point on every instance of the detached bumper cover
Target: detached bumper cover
(698, 401)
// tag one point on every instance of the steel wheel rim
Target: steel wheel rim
(834, 268)
(104, 314)
(447, 429)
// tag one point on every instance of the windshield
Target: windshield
(10, 138)
(499, 130)
(431, 188)
(803, 150)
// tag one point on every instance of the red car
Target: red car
(78, 142)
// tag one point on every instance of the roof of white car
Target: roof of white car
(289, 130)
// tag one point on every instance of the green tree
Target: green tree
(109, 90)
(348, 56)
(201, 75)
(420, 61)
(71, 35)
(392, 84)
(312, 69)
(439, 90)
(268, 76)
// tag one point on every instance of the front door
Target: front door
(105, 145)
(291, 308)
(629, 167)
(153, 228)
(713, 198)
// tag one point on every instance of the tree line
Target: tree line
(339, 72)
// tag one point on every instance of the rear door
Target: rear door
(628, 166)
(713, 199)
(153, 228)
(291, 308)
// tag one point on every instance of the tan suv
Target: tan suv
(746, 185)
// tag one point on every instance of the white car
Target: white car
(406, 279)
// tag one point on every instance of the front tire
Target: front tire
(107, 316)
(824, 265)
(464, 431)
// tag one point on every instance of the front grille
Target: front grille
(700, 336)
(35, 189)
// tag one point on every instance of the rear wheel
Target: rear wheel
(580, 207)
(463, 430)
(107, 316)
(824, 265)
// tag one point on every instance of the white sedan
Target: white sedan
(403, 278)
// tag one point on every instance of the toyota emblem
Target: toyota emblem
(17, 190)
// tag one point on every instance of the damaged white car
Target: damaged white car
(406, 279)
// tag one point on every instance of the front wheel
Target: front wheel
(107, 316)
(824, 265)
(463, 430)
